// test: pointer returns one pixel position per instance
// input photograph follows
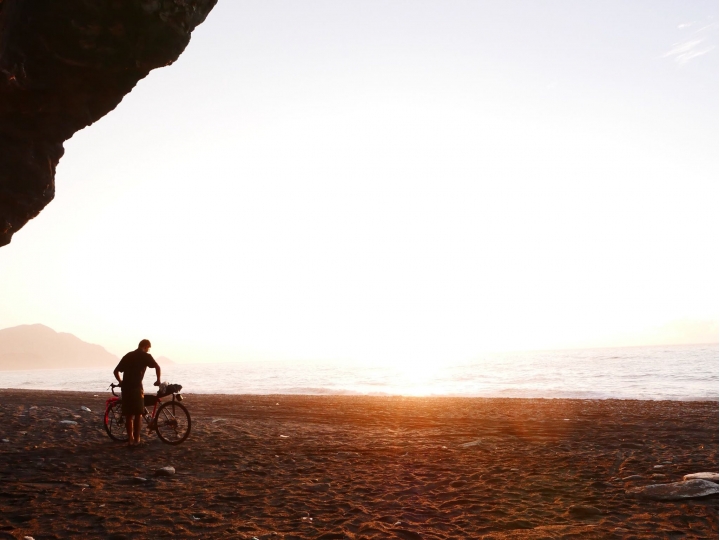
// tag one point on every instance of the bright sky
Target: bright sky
(395, 181)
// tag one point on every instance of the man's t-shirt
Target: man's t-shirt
(133, 365)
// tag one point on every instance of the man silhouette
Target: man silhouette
(133, 366)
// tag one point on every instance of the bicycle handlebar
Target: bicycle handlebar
(113, 386)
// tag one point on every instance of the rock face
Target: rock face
(63, 66)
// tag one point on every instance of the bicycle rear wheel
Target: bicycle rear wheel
(172, 422)
(115, 423)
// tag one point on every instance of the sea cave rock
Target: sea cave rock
(63, 66)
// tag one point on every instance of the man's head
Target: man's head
(144, 345)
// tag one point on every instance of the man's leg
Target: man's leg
(138, 424)
(129, 421)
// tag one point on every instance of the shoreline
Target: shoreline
(360, 466)
(379, 395)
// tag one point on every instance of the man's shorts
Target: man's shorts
(132, 401)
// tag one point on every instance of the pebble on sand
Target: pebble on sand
(471, 443)
(632, 445)
(583, 511)
(165, 471)
(69, 422)
(711, 476)
(676, 491)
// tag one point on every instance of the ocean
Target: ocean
(679, 372)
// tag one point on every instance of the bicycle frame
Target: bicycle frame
(115, 399)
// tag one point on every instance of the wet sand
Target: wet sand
(274, 467)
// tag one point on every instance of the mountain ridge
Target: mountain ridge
(36, 346)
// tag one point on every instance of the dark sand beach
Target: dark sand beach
(358, 467)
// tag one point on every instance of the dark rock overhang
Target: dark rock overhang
(64, 64)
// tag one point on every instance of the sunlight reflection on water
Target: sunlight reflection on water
(677, 372)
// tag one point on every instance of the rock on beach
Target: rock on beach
(584, 511)
(710, 476)
(165, 471)
(690, 489)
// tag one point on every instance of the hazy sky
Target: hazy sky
(394, 181)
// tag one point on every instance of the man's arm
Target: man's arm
(120, 368)
(157, 372)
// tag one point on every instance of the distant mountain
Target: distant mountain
(164, 361)
(35, 346)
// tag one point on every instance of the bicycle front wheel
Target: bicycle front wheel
(115, 423)
(172, 422)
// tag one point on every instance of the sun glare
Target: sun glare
(404, 205)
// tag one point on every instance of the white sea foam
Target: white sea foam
(688, 372)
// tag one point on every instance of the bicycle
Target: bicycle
(170, 419)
